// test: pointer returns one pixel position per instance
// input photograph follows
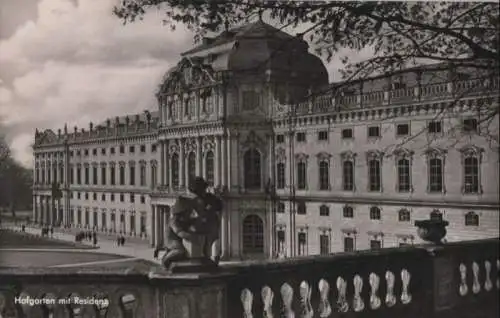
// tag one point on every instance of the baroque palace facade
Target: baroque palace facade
(303, 166)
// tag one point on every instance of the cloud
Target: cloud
(77, 63)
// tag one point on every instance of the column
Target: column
(228, 162)
(35, 210)
(162, 163)
(157, 226)
(271, 175)
(162, 224)
(223, 236)
(167, 163)
(199, 155)
(48, 210)
(218, 160)
(224, 164)
(182, 171)
(152, 226)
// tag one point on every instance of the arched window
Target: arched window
(436, 215)
(191, 166)
(404, 175)
(348, 212)
(374, 213)
(348, 175)
(252, 168)
(324, 210)
(374, 175)
(301, 175)
(174, 164)
(471, 175)
(280, 175)
(324, 179)
(209, 168)
(253, 235)
(471, 219)
(281, 207)
(435, 175)
(404, 215)
(301, 207)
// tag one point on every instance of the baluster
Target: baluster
(357, 302)
(374, 284)
(405, 295)
(390, 299)
(305, 299)
(463, 289)
(488, 285)
(247, 302)
(267, 300)
(342, 304)
(287, 296)
(476, 286)
(325, 310)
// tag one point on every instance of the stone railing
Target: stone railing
(407, 95)
(452, 280)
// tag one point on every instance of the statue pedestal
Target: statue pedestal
(194, 265)
(195, 247)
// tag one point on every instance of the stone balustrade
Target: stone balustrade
(453, 280)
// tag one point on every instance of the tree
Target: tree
(459, 35)
(15, 180)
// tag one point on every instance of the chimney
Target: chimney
(148, 119)
(59, 133)
(65, 129)
(91, 126)
(76, 130)
(36, 132)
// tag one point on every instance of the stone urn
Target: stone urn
(433, 230)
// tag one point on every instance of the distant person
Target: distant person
(52, 231)
(118, 241)
(94, 239)
(156, 252)
(23, 228)
(123, 240)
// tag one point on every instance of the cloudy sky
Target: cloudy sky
(72, 61)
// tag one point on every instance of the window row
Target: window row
(468, 125)
(404, 215)
(435, 173)
(112, 150)
(86, 219)
(103, 196)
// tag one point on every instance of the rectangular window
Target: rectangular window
(112, 197)
(103, 197)
(122, 175)
(143, 148)
(280, 175)
(132, 198)
(153, 148)
(94, 152)
(72, 176)
(347, 133)
(301, 137)
(131, 149)
(280, 139)
(469, 125)
(434, 127)
(143, 175)
(132, 175)
(122, 149)
(103, 151)
(348, 244)
(280, 242)
(435, 175)
(324, 244)
(103, 175)
(302, 244)
(471, 175)
(122, 197)
(87, 172)
(94, 175)
(112, 175)
(374, 175)
(301, 176)
(375, 244)
(403, 175)
(94, 196)
(323, 135)
(103, 219)
(402, 130)
(374, 131)
(143, 199)
(112, 150)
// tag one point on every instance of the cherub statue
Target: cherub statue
(195, 218)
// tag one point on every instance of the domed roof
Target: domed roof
(259, 48)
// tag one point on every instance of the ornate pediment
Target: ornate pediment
(208, 145)
(323, 156)
(403, 153)
(374, 155)
(188, 73)
(471, 151)
(253, 141)
(189, 146)
(347, 155)
(435, 152)
(281, 154)
(301, 156)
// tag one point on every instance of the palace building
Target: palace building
(303, 166)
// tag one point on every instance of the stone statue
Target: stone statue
(193, 226)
